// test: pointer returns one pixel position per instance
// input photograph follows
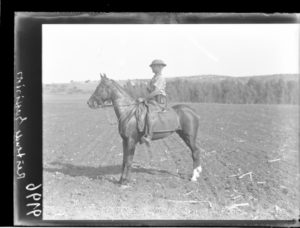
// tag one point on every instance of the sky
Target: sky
(81, 52)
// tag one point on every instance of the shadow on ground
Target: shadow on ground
(101, 171)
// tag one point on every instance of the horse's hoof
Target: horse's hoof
(196, 173)
(193, 179)
(125, 186)
(123, 181)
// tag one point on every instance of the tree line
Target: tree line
(228, 91)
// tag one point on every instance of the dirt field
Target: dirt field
(249, 154)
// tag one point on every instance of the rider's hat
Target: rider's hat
(158, 62)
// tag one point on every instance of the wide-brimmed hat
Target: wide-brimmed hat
(158, 62)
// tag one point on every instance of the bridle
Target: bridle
(97, 97)
(102, 105)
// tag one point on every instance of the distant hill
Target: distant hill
(277, 88)
(289, 77)
(89, 86)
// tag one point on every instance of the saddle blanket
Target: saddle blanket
(162, 121)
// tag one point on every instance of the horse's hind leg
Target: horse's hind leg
(190, 140)
(197, 169)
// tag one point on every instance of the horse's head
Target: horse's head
(101, 94)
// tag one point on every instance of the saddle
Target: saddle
(162, 119)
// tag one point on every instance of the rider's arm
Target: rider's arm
(159, 86)
(154, 93)
(160, 83)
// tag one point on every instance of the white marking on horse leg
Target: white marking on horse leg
(125, 186)
(196, 173)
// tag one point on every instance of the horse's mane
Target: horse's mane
(137, 108)
(120, 88)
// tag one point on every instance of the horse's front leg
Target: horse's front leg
(128, 153)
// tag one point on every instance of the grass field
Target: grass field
(249, 156)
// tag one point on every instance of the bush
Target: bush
(255, 90)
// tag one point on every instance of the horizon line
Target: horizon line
(196, 75)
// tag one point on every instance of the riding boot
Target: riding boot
(148, 133)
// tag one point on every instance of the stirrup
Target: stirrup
(146, 140)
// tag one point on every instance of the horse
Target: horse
(124, 105)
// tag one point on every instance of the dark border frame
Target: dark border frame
(28, 60)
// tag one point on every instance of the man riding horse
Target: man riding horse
(157, 91)
(179, 118)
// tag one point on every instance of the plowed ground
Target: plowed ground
(82, 158)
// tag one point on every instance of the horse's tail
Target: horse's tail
(194, 112)
(190, 109)
(197, 115)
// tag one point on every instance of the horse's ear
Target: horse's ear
(104, 75)
(101, 76)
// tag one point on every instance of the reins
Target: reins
(128, 113)
(125, 115)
